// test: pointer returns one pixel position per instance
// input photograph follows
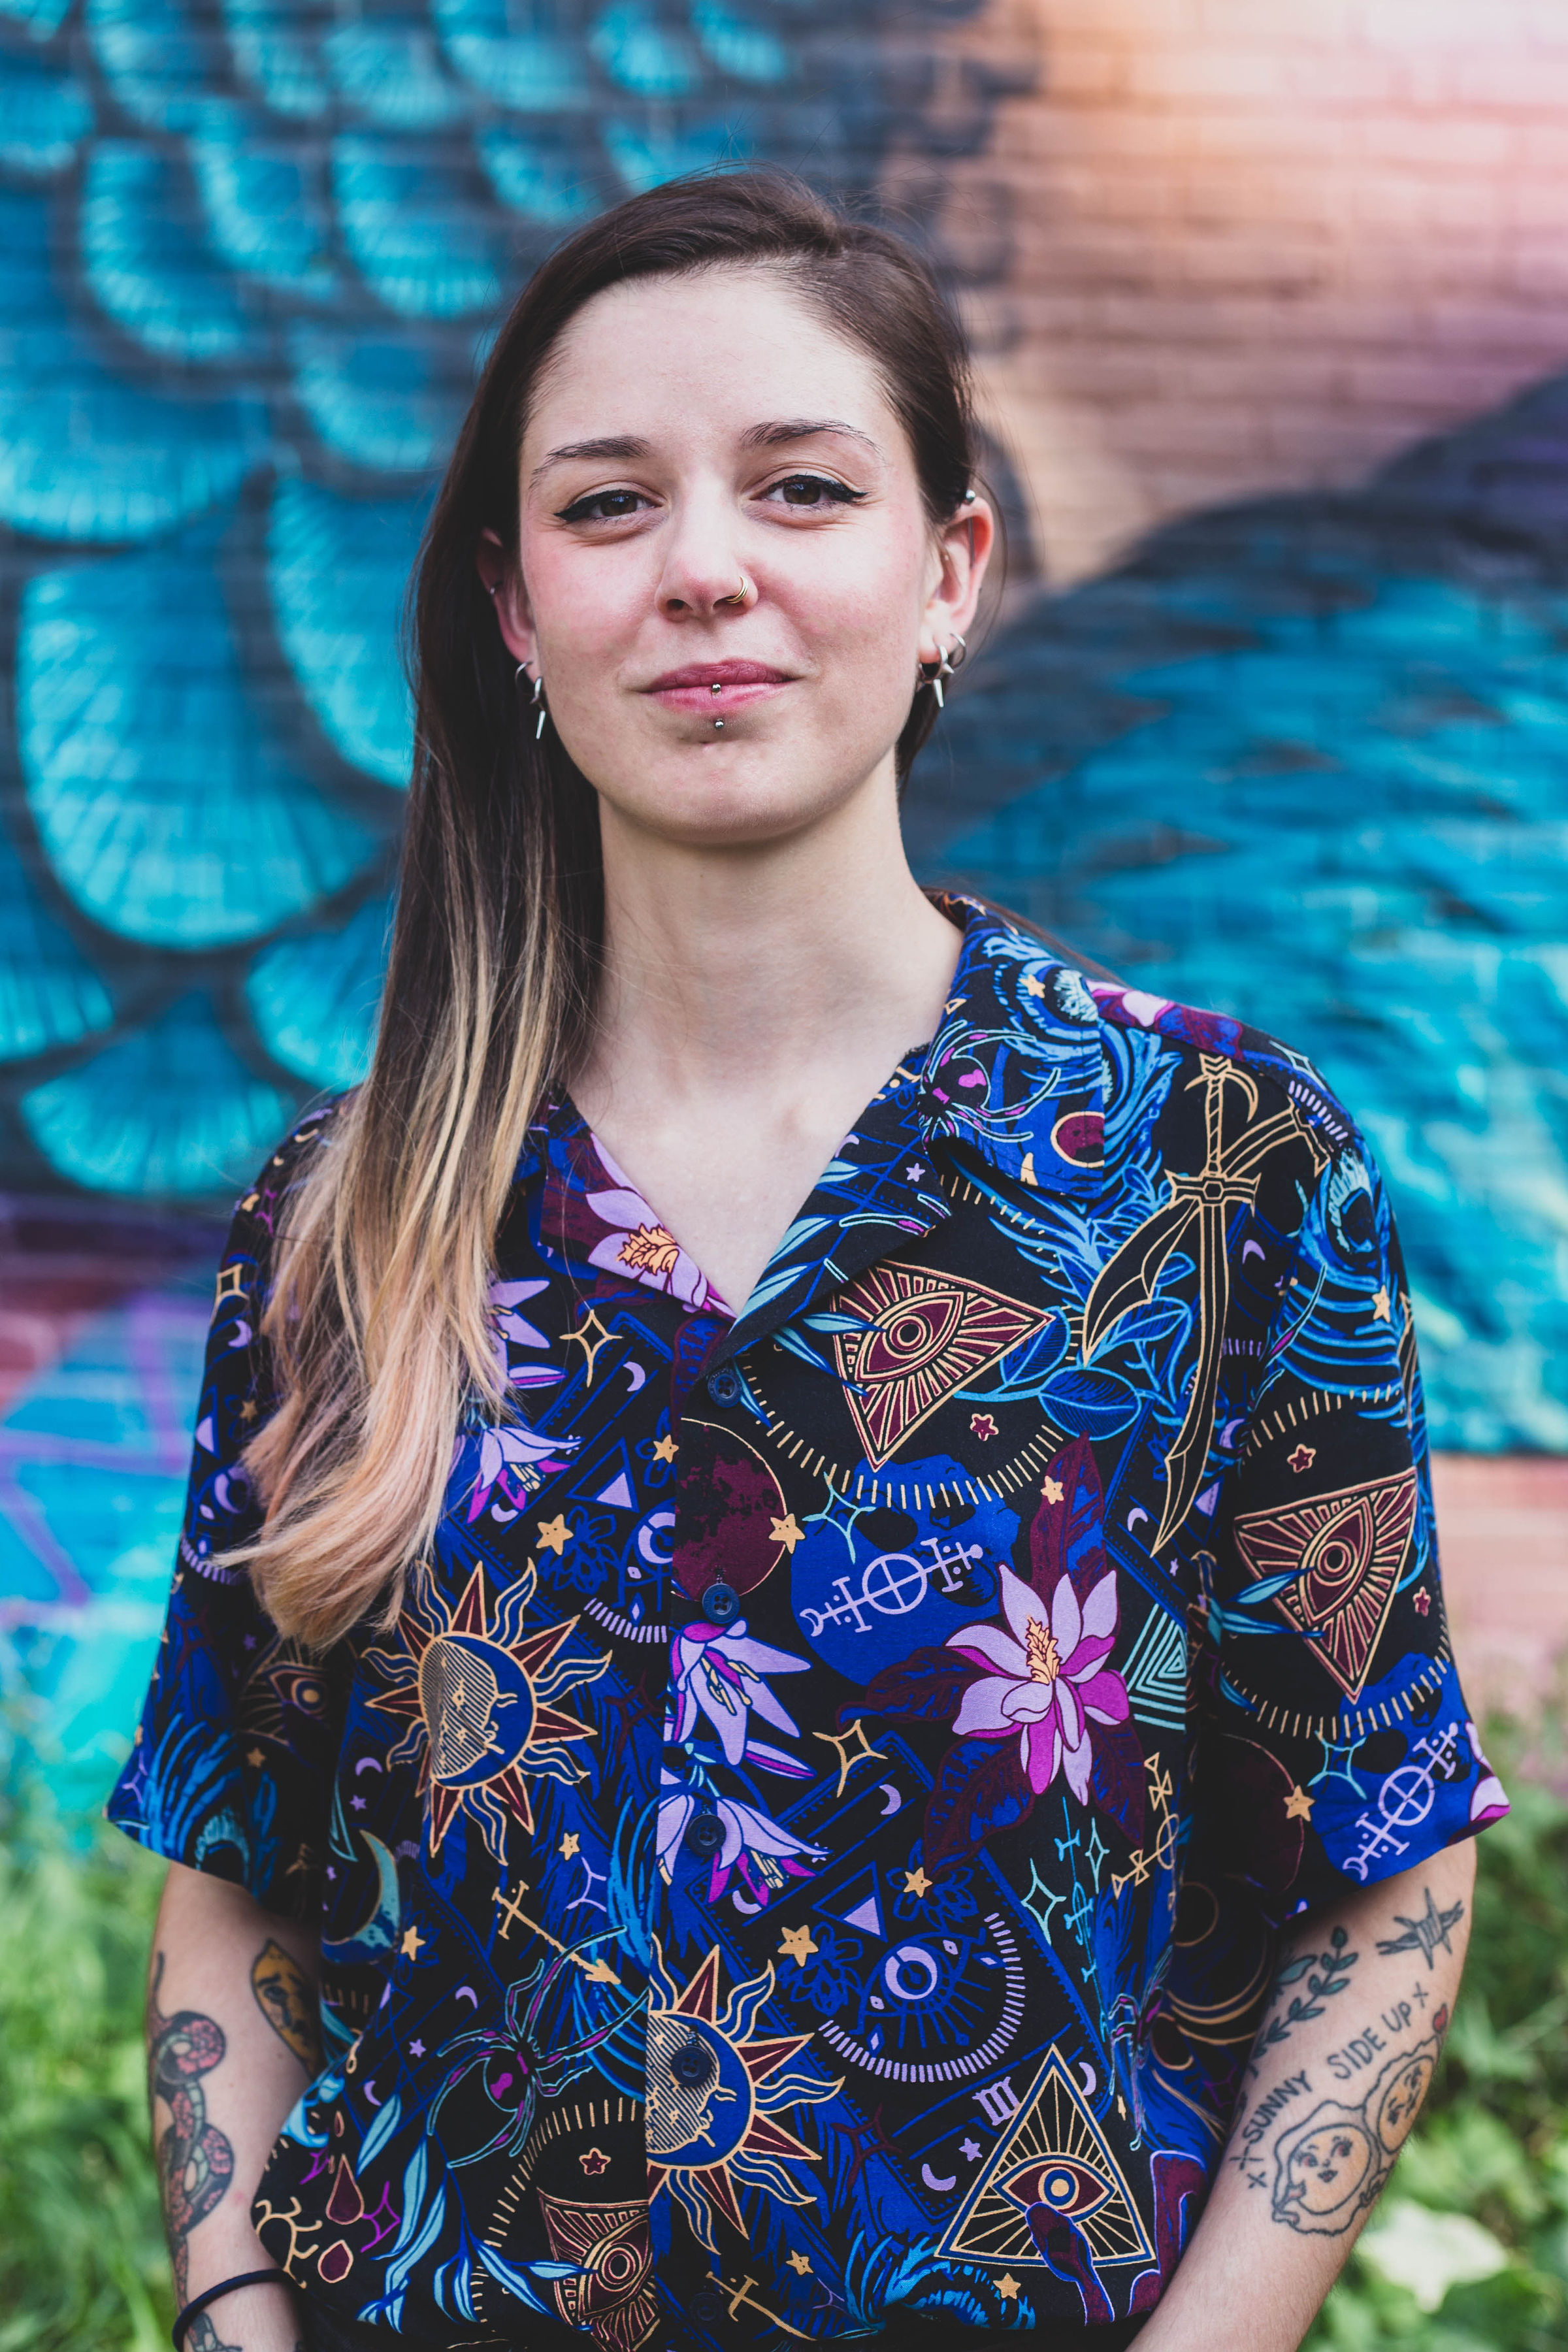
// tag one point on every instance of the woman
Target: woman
(824, 1769)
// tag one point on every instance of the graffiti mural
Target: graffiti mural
(1299, 756)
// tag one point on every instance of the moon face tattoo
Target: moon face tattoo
(1332, 2167)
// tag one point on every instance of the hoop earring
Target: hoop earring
(537, 698)
(944, 668)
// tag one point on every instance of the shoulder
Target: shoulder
(262, 1211)
(1280, 1081)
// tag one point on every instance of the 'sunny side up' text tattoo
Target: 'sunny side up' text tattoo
(1330, 2169)
(196, 2162)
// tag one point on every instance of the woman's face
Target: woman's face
(690, 434)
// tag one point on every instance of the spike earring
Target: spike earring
(943, 666)
(537, 700)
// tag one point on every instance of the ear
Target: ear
(503, 583)
(962, 549)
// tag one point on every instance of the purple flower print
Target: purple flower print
(1048, 1680)
(514, 1461)
(639, 1245)
(758, 1849)
(719, 1675)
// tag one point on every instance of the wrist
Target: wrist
(252, 2310)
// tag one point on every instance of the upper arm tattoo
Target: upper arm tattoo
(196, 2162)
(1327, 1974)
(1330, 2170)
(286, 2000)
(1426, 1934)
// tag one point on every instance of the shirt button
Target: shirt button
(692, 2064)
(725, 1385)
(704, 1834)
(707, 2306)
(721, 1604)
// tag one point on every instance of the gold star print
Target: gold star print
(412, 1943)
(1032, 987)
(1380, 1305)
(248, 1409)
(915, 1882)
(1055, 1491)
(1297, 1806)
(1007, 2287)
(795, 1945)
(1303, 1459)
(849, 1753)
(590, 1347)
(800, 2265)
(556, 1533)
(231, 1281)
(570, 1845)
(665, 1449)
(787, 1531)
(594, 2159)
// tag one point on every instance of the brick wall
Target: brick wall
(1261, 243)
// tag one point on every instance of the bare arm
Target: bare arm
(1341, 2066)
(231, 2043)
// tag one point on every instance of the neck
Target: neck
(730, 969)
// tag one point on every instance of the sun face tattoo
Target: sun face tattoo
(196, 2162)
(1331, 2168)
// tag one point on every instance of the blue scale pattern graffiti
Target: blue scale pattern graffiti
(1305, 761)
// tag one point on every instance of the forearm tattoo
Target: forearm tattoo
(1330, 2170)
(203, 2336)
(1322, 2151)
(287, 2001)
(196, 2162)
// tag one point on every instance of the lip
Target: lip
(739, 682)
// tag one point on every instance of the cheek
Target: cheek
(583, 612)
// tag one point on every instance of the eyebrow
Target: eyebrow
(803, 428)
(622, 448)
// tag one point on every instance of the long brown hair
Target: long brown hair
(378, 1316)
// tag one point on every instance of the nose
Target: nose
(702, 572)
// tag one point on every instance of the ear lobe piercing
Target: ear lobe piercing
(944, 666)
(537, 698)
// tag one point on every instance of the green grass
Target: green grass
(82, 2260)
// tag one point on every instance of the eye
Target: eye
(814, 490)
(601, 506)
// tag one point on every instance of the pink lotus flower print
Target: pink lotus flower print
(638, 1244)
(1048, 1680)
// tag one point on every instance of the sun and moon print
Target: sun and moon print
(811, 1844)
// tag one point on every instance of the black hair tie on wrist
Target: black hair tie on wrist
(198, 2303)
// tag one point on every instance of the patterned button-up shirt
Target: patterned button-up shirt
(812, 1844)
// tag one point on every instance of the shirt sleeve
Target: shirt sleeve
(1344, 1751)
(231, 1766)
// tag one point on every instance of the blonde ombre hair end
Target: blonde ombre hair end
(377, 1317)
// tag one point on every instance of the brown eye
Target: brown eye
(601, 506)
(815, 490)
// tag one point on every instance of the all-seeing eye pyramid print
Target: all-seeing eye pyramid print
(1055, 2163)
(925, 1335)
(1347, 1549)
